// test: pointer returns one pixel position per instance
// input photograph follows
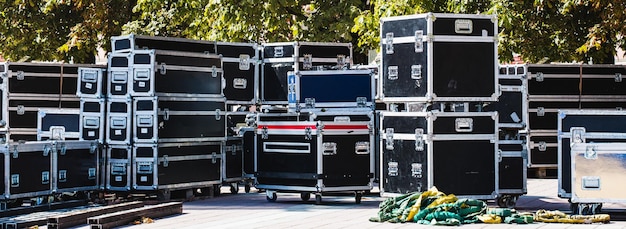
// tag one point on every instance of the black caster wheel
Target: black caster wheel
(271, 198)
(502, 200)
(510, 202)
(574, 208)
(318, 199)
(234, 188)
(305, 196)
(357, 197)
(217, 190)
(247, 188)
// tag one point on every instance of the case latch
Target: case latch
(361, 101)
(419, 41)
(419, 139)
(244, 62)
(329, 148)
(542, 146)
(578, 135)
(362, 147)
(389, 43)
(541, 111)
(464, 125)
(392, 169)
(539, 77)
(307, 62)
(93, 147)
(309, 103)
(165, 160)
(618, 77)
(162, 69)
(341, 61)
(416, 170)
(218, 114)
(590, 152)
(264, 134)
(214, 157)
(307, 133)
(392, 72)
(62, 148)
(21, 110)
(20, 75)
(389, 138)
(46, 150)
(166, 114)
(15, 153)
(213, 71)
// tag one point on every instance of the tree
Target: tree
(166, 18)
(561, 30)
(248, 20)
(57, 29)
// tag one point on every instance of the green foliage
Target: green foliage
(539, 30)
(173, 18)
(57, 29)
(559, 30)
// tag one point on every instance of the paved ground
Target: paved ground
(251, 210)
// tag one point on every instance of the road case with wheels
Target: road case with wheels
(314, 153)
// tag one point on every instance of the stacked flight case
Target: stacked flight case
(316, 115)
(512, 122)
(33, 86)
(165, 110)
(438, 71)
(40, 126)
(591, 158)
(241, 62)
(42, 168)
(280, 58)
(552, 87)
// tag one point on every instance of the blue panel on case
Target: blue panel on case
(336, 87)
(291, 92)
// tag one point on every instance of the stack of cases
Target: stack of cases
(591, 158)
(40, 128)
(241, 63)
(40, 168)
(4, 71)
(165, 113)
(316, 116)
(437, 72)
(281, 58)
(512, 108)
(30, 87)
(552, 87)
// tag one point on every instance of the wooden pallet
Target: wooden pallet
(125, 217)
(79, 217)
